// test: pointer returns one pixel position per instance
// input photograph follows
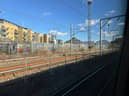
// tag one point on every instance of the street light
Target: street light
(89, 23)
(90, 1)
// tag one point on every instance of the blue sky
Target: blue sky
(44, 16)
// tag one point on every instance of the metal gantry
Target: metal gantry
(102, 26)
(73, 32)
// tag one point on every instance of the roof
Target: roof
(74, 41)
(14, 24)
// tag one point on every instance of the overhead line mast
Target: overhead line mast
(89, 24)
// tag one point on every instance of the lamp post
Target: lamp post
(89, 23)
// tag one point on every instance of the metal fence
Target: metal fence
(11, 47)
(8, 47)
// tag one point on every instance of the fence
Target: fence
(11, 47)
(8, 47)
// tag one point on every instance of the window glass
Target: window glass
(51, 47)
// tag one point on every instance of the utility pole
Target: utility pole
(100, 45)
(110, 33)
(89, 24)
(71, 35)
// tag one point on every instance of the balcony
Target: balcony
(4, 34)
(16, 32)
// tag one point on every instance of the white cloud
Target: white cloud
(109, 13)
(82, 29)
(107, 34)
(46, 13)
(92, 31)
(121, 23)
(81, 25)
(93, 22)
(106, 14)
(112, 11)
(58, 33)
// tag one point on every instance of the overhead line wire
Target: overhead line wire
(75, 9)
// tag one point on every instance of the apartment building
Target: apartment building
(47, 38)
(19, 34)
(11, 31)
(8, 29)
(36, 37)
(41, 38)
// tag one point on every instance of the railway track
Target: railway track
(8, 73)
(3, 70)
(11, 71)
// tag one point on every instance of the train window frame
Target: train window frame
(121, 81)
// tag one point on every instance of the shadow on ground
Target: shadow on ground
(49, 82)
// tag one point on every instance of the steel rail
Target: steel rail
(41, 63)
(20, 58)
(36, 64)
(17, 59)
